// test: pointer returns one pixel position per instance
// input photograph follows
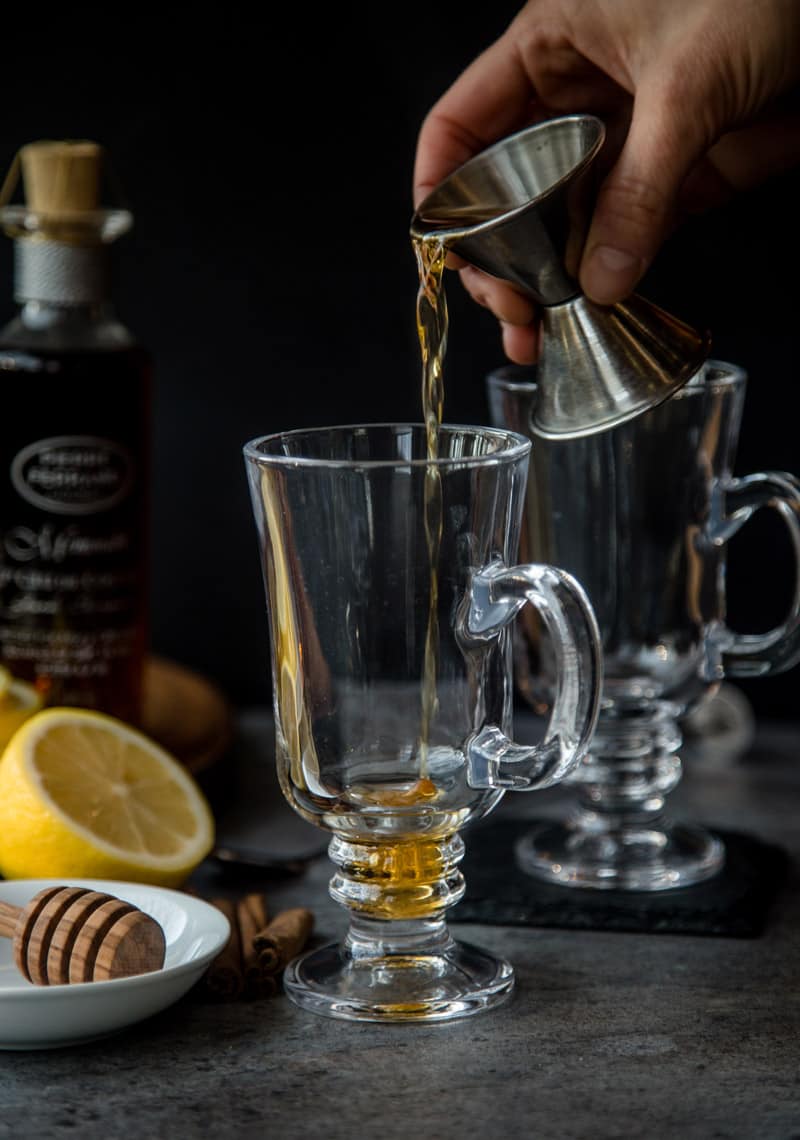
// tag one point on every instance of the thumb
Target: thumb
(636, 203)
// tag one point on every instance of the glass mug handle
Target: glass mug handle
(497, 594)
(757, 654)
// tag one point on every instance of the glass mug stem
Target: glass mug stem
(632, 767)
(416, 879)
(398, 960)
(619, 835)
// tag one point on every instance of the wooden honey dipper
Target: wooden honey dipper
(72, 934)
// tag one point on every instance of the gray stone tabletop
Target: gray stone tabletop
(606, 1035)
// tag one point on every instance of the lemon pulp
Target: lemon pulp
(85, 795)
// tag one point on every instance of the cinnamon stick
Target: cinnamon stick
(224, 979)
(282, 939)
(252, 915)
(257, 949)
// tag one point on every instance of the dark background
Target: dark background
(270, 273)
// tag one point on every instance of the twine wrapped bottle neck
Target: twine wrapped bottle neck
(57, 273)
(62, 227)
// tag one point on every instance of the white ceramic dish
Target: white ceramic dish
(46, 1017)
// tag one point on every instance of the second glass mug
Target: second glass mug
(391, 591)
(642, 515)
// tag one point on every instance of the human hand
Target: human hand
(699, 98)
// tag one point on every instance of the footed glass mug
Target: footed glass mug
(391, 593)
(642, 515)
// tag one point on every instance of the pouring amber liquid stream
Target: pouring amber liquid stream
(407, 869)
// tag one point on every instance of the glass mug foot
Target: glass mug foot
(645, 858)
(398, 960)
(457, 981)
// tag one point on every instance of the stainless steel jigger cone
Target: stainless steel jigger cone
(520, 211)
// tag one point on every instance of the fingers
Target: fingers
(516, 313)
(637, 202)
(490, 99)
(502, 299)
(750, 156)
(521, 343)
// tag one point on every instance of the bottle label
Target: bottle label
(73, 542)
(73, 474)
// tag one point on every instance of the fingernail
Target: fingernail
(610, 274)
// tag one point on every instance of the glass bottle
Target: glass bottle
(74, 449)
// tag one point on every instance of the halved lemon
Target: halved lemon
(84, 795)
(18, 701)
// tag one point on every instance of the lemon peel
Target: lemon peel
(85, 795)
(18, 701)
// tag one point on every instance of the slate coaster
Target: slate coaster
(734, 904)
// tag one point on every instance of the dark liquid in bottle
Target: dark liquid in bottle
(73, 524)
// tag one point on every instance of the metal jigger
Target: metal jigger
(520, 211)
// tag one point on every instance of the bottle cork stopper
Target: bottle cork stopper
(62, 178)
